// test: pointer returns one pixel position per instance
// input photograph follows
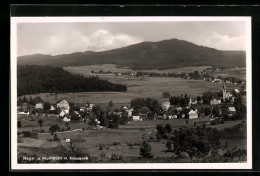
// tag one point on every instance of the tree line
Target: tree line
(45, 79)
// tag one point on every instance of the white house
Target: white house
(62, 114)
(52, 108)
(193, 114)
(64, 105)
(23, 113)
(129, 112)
(66, 119)
(215, 102)
(39, 106)
(137, 118)
(237, 91)
(166, 105)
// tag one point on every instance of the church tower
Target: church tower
(224, 92)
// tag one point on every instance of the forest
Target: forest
(46, 79)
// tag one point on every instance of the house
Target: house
(231, 111)
(237, 91)
(62, 113)
(23, 113)
(129, 112)
(125, 107)
(215, 101)
(177, 108)
(216, 80)
(25, 107)
(63, 105)
(82, 109)
(52, 108)
(171, 115)
(66, 119)
(226, 95)
(200, 101)
(193, 101)
(193, 114)
(137, 118)
(166, 105)
(39, 106)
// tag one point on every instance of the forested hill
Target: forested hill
(46, 79)
(146, 55)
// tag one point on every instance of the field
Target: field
(124, 141)
(239, 73)
(152, 87)
(86, 70)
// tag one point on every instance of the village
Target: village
(218, 107)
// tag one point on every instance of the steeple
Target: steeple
(224, 92)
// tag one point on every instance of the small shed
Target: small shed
(137, 118)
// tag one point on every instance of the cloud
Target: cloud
(224, 41)
(75, 41)
(105, 40)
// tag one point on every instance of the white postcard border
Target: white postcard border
(13, 116)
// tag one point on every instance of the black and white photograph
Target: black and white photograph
(131, 93)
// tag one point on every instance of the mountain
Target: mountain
(146, 55)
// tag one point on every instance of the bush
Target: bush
(54, 128)
(55, 137)
(169, 145)
(168, 128)
(161, 133)
(19, 124)
(113, 126)
(116, 156)
(116, 143)
(26, 134)
(146, 150)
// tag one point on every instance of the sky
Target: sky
(65, 38)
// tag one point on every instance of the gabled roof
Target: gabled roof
(232, 109)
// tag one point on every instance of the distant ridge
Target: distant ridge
(164, 54)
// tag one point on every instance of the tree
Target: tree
(54, 128)
(207, 96)
(46, 106)
(175, 100)
(161, 132)
(207, 111)
(138, 103)
(146, 150)
(110, 104)
(40, 122)
(103, 119)
(166, 95)
(92, 121)
(96, 110)
(19, 124)
(169, 145)
(168, 128)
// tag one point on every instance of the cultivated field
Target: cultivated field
(86, 70)
(151, 87)
(124, 141)
(239, 73)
